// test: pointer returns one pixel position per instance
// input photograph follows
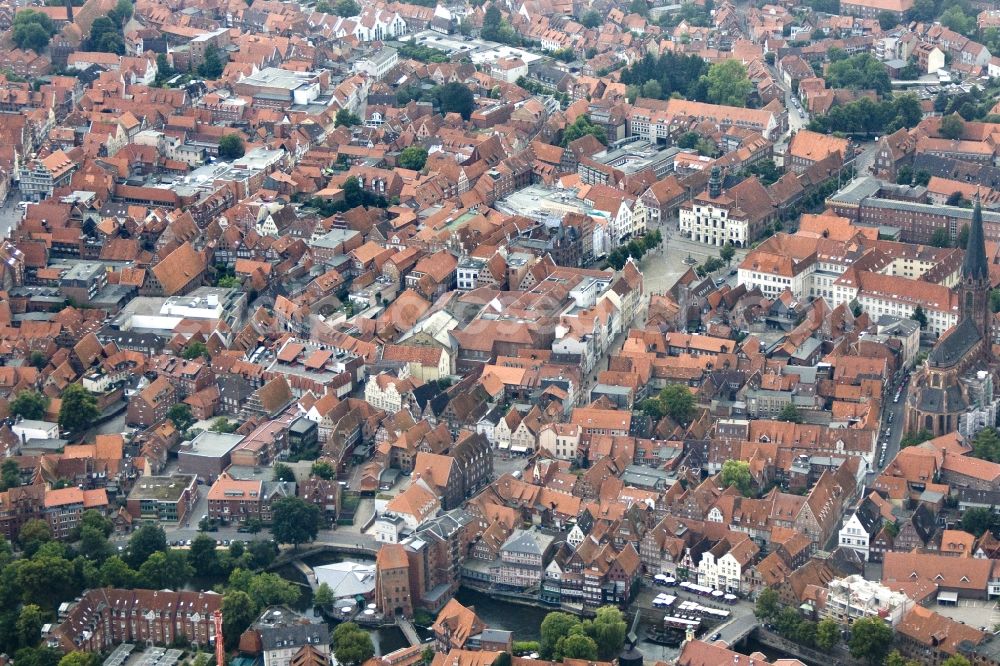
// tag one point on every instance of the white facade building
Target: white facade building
(849, 599)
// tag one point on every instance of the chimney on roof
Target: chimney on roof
(69, 10)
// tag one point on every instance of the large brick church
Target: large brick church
(937, 396)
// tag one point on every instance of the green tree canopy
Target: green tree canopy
(166, 570)
(952, 126)
(231, 146)
(986, 445)
(238, 612)
(688, 140)
(294, 520)
(116, 573)
(266, 589)
(413, 157)
(212, 64)
(914, 438)
(455, 97)
(790, 413)
(78, 409)
(963, 233)
(323, 597)
(77, 658)
(29, 404)
(352, 646)
(805, 633)
(767, 604)
(10, 474)
(94, 543)
(180, 415)
(919, 316)
(198, 349)
(346, 8)
(675, 72)
(577, 646)
(122, 12)
(582, 127)
(859, 72)
(728, 83)
(164, 70)
(827, 634)
(33, 534)
(94, 519)
(497, 29)
(224, 425)
(652, 89)
(40, 656)
(871, 639)
(145, 541)
(591, 19)
(678, 403)
(38, 359)
(346, 118)
(607, 629)
(640, 7)
(869, 116)
(282, 472)
(555, 627)
(47, 580)
(32, 30)
(894, 658)
(940, 238)
(956, 19)
(106, 36)
(727, 252)
(203, 556)
(787, 622)
(29, 624)
(956, 660)
(977, 520)
(737, 473)
(323, 470)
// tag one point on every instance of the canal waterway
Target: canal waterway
(524, 621)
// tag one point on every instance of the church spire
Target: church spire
(975, 266)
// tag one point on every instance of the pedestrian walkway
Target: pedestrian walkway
(409, 631)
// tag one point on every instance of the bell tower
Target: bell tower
(974, 293)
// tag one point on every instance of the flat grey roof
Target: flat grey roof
(161, 488)
(212, 444)
(274, 77)
(857, 190)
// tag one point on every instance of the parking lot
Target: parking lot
(973, 612)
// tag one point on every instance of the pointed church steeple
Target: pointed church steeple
(975, 286)
(975, 266)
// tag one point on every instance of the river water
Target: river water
(526, 622)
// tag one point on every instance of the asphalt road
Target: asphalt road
(896, 429)
(735, 629)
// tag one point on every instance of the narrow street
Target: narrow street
(10, 214)
(896, 429)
